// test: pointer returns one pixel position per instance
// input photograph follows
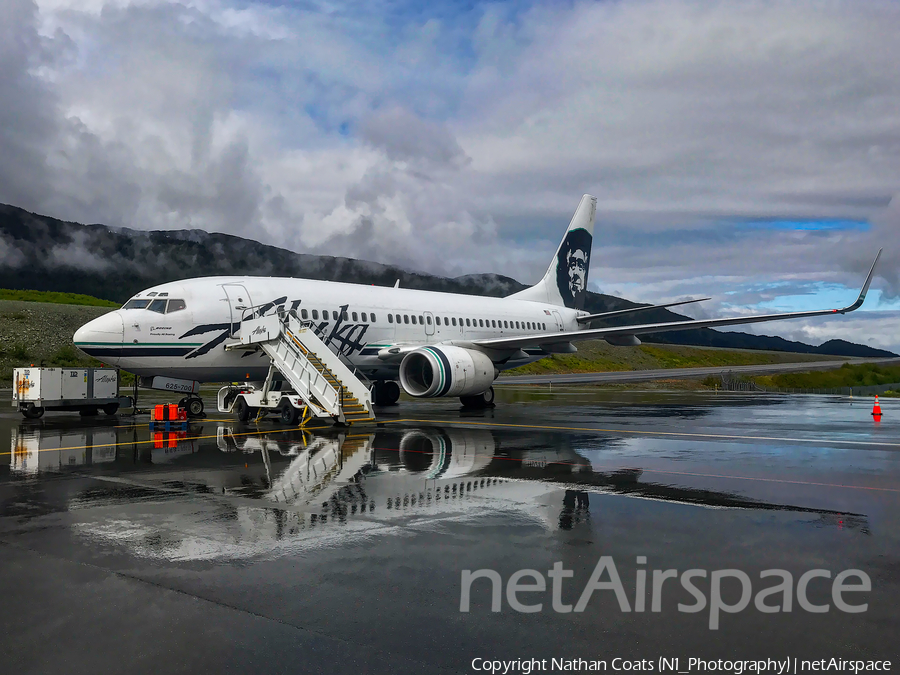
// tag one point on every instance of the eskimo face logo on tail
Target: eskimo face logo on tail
(572, 262)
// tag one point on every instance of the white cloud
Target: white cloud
(10, 255)
(460, 141)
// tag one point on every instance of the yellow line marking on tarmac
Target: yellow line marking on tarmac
(135, 426)
(180, 440)
(259, 432)
(496, 424)
(680, 434)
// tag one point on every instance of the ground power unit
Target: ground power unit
(86, 390)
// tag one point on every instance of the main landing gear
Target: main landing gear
(483, 400)
(193, 405)
(385, 393)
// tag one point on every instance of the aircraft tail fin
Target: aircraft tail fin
(565, 282)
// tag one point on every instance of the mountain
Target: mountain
(45, 254)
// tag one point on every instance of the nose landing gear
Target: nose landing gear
(193, 405)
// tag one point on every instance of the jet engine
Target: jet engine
(446, 371)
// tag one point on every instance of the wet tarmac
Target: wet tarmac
(255, 548)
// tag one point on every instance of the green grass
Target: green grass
(568, 363)
(596, 356)
(858, 375)
(64, 357)
(20, 352)
(696, 358)
(68, 357)
(55, 297)
(40, 333)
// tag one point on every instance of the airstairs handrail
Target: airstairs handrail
(337, 352)
(250, 312)
(350, 374)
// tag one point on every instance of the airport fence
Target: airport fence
(732, 382)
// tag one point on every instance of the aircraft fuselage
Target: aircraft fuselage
(151, 335)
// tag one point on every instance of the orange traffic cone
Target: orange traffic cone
(876, 410)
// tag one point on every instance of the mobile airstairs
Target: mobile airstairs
(321, 385)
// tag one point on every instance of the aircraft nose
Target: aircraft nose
(102, 338)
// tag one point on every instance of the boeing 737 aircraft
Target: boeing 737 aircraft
(178, 330)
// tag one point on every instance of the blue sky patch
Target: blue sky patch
(815, 225)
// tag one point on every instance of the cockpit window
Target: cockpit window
(136, 304)
(175, 306)
(158, 306)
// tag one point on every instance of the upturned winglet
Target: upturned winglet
(865, 289)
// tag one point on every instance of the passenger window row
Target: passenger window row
(471, 323)
(492, 323)
(347, 316)
(406, 318)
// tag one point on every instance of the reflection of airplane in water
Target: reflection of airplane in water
(400, 471)
(255, 493)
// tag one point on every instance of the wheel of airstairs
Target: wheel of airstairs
(245, 412)
(289, 414)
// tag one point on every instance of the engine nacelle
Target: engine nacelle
(624, 340)
(446, 371)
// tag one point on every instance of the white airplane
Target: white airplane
(178, 330)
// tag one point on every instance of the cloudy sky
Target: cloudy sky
(748, 150)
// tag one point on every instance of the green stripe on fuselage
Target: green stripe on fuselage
(139, 344)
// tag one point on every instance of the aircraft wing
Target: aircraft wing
(521, 341)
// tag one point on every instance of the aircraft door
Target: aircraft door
(559, 321)
(429, 323)
(238, 299)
